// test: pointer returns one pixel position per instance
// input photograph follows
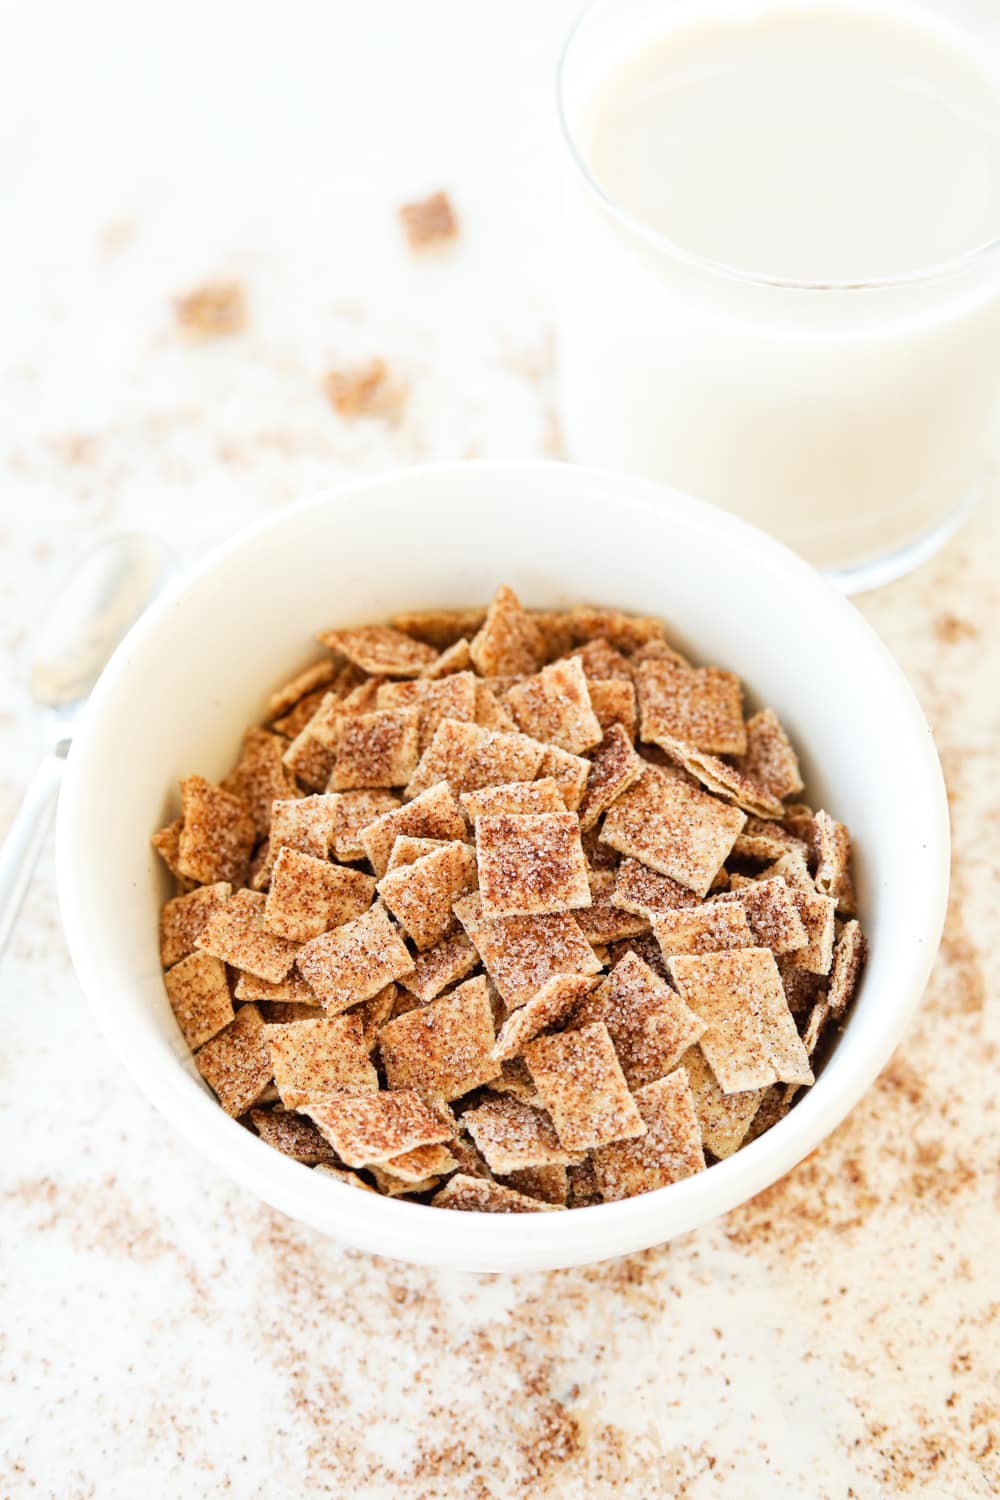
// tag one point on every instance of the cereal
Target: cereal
(649, 1024)
(614, 702)
(772, 912)
(512, 1136)
(293, 1136)
(291, 991)
(701, 707)
(724, 1119)
(308, 896)
(540, 796)
(440, 628)
(490, 712)
(623, 632)
(374, 1012)
(521, 954)
(355, 811)
(306, 824)
(355, 961)
(674, 829)
(670, 1150)
(313, 1059)
(615, 768)
(569, 772)
(365, 1128)
(702, 929)
(583, 1088)
(438, 967)
(765, 839)
(321, 674)
(421, 895)
(550, 1006)
(469, 757)
(555, 707)
(216, 835)
(452, 697)
(833, 855)
(236, 1064)
(365, 389)
(429, 220)
(769, 758)
(236, 933)
(260, 776)
(509, 641)
(433, 815)
(530, 864)
(183, 919)
(641, 890)
(480, 1196)
(349, 1179)
(848, 961)
(406, 850)
(212, 310)
(723, 779)
(378, 749)
(602, 921)
(602, 662)
(415, 1167)
(310, 757)
(443, 1047)
(457, 658)
(380, 650)
(167, 843)
(198, 991)
(818, 915)
(548, 1184)
(515, 1080)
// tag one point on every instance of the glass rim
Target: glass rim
(664, 244)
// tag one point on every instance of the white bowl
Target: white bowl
(197, 669)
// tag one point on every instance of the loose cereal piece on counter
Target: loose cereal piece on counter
(670, 1150)
(724, 1118)
(521, 954)
(355, 961)
(379, 749)
(429, 221)
(512, 1136)
(530, 864)
(448, 698)
(440, 628)
(368, 1129)
(366, 389)
(443, 1047)
(435, 814)
(212, 311)
(236, 1064)
(674, 829)
(583, 1088)
(540, 796)
(438, 967)
(615, 768)
(355, 811)
(198, 991)
(550, 1006)
(313, 1059)
(614, 702)
(480, 1196)
(509, 641)
(183, 919)
(217, 834)
(769, 758)
(641, 890)
(421, 895)
(650, 1026)
(554, 707)
(380, 650)
(848, 961)
(772, 912)
(569, 772)
(703, 707)
(703, 929)
(236, 934)
(293, 1136)
(309, 896)
(260, 777)
(603, 922)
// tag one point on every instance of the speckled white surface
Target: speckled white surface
(162, 1334)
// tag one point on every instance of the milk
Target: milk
(753, 308)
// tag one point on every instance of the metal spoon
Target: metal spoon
(100, 600)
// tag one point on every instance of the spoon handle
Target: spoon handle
(23, 844)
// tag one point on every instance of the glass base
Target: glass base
(892, 565)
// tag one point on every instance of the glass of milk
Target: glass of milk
(781, 286)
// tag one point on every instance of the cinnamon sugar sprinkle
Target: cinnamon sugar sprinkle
(448, 873)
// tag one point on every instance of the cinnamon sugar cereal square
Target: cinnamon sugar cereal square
(602, 662)
(702, 707)
(772, 912)
(614, 702)
(371, 1128)
(435, 814)
(452, 697)
(677, 831)
(236, 933)
(313, 1059)
(406, 850)
(443, 1047)
(569, 772)
(832, 844)
(446, 758)
(512, 1136)
(320, 674)
(815, 1026)
(374, 1012)
(293, 1136)
(641, 890)
(217, 834)
(378, 749)
(499, 758)
(703, 929)
(438, 967)
(769, 758)
(724, 1118)
(615, 768)
(520, 954)
(801, 988)
(818, 915)
(767, 840)
(530, 864)
(291, 991)
(355, 811)
(306, 824)
(509, 641)
(308, 896)
(311, 756)
(413, 1168)
(670, 1150)
(625, 632)
(236, 1064)
(649, 1024)
(260, 776)
(603, 922)
(183, 919)
(198, 991)
(455, 659)
(540, 796)
(724, 780)
(429, 221)
(548, 1184)
(490, 712)
(380, 650)
(554, 707)
(848, 961)
(213, 310)
(514, 1080)
(421, 895)
(166, 842)
(439, 628)
(291, 725)
(582, 1086)
(479, 1195)
(355, 961)
(550, 1006)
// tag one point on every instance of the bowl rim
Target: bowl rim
(416, 1232)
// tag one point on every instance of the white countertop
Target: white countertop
(162, 1333)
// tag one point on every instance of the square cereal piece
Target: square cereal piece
(848, 961)
(183, 919)
(521, 954)
(367, 1128)
(490, 712)
(530, 864)
(499, 758)
(413, 1168)
(724, 780)
(355, 811)
(321, 674)
(452, 697)
(380, 650)
(511, 1136)
(601, 662)
(677, 831)
(670, 1150)
(291, 725)
(438, 967)
(311, 756)
(582, 1086)
(509, 642)
(213, 310)
(456, 658)
(724, 1119)
(583, 1191)
(765, 839)
(306, 824)
(309, 896)
(554, 707)
(550, 1006)
(515, 1080)
(236, 1064)
(802, 989)
(406, 850)
(615, 768)
(641, 890)
(769, 758)
(702, 707)
(513, 797)
(772, 912)
(429, 221)
(703, 929)
(625, 632)
(291, 991)
(293, 1136)
(236, 934)
(379, 749)
(446, 758)
(614, 702)
(313, 1059)
(374, 1012)
(444, 1047)
(217, 834)
(818, 915)
(439, 628)
(355, 961)
(548, 1184)
(751, 1040)
(421, 895)
(645, 947)
(478, 1195)
(198, 991)
(349, 1179)
(260, 776)
(435, 814)
(774, 1106)
(815, 1026)
(569, 772)
(602, 921)
(832, 844)
(166, 842)
(649, 1024)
